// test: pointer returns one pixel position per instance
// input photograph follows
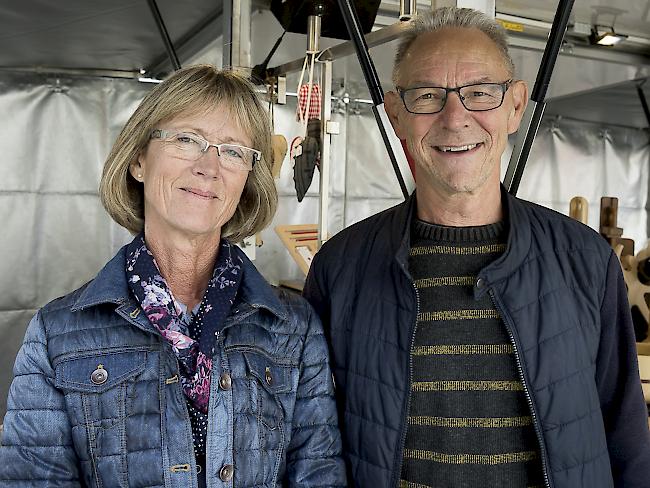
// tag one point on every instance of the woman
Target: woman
(178, 365)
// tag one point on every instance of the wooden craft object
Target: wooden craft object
(638, 293)
(579, 209)
(301, 241)
(609, 228)
(280, 147)
(644, 372)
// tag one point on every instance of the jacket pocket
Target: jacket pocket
(269, 383)
(99, 372)
(101, 392)
(270, 380)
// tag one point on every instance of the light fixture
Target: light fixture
(605, 35)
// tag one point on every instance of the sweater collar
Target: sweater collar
(517, 246)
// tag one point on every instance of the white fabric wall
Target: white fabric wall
(55, 235)
(56, 132)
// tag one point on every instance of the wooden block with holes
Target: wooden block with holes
(301, 241)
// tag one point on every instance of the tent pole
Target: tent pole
(169, 46)
(532, 119)
(372, 80)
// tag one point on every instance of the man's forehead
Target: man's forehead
(464, 52)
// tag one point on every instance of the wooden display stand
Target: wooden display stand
(301, 241)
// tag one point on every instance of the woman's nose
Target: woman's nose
(208, 164)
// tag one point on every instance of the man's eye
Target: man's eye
(429, 96)
(480, 94)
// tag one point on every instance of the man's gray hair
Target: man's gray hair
(441, 18)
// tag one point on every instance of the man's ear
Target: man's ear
(519, 93)
(393, 105)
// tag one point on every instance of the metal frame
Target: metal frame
(236, 33)
(192, 41)
(373, 39)
(644, 102)
(326, 140)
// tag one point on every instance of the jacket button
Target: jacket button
(99, 376)
(226, 472)
(225, 382)
(480, 283)
(267, 376)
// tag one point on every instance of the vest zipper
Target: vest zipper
(538, 432)
(410, 383)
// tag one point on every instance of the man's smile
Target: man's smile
(458, 149)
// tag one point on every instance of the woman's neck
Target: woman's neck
(186, 263)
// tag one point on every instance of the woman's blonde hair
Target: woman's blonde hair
(195, 89)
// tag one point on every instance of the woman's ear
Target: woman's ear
(136, 168)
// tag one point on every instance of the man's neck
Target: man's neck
(459, 209)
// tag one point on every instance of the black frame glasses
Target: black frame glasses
(463, 93)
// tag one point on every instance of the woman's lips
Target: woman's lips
(207, 195)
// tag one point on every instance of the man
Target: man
(477, 339)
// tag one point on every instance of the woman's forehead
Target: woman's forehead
(217, 122)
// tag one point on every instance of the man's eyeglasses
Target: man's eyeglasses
(478, 97)
(189, 146)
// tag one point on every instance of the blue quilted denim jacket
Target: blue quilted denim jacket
(96, 399)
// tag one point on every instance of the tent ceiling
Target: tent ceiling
(617, 104)
(630, 17)
(115, 35)
(122, 34)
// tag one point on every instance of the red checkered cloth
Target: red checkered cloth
(314, 102)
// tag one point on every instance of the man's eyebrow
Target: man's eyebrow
(474, 81)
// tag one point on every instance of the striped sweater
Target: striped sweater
(469, 423)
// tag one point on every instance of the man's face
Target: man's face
(456, 151)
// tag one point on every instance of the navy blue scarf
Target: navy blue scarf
(164, 312)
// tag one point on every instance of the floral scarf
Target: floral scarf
(164, 312)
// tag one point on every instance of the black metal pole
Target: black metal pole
(644, 102)
(520, 153)
(372, 80)
(356, 36)
(169, 46)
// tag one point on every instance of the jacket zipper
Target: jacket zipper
(410, 383)
(531, 406)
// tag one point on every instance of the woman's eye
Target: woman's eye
(233, 153)
(186, 139)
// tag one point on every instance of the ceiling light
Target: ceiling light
(605, 36)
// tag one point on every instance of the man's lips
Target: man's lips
(457, 148)
(208, 195)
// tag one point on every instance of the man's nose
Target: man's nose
(454, 112)
(209, 164)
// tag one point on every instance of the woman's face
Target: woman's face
(191, 198)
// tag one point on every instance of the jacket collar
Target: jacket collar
(110, 286)
(517, 247)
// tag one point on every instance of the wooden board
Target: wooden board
(301, 241)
